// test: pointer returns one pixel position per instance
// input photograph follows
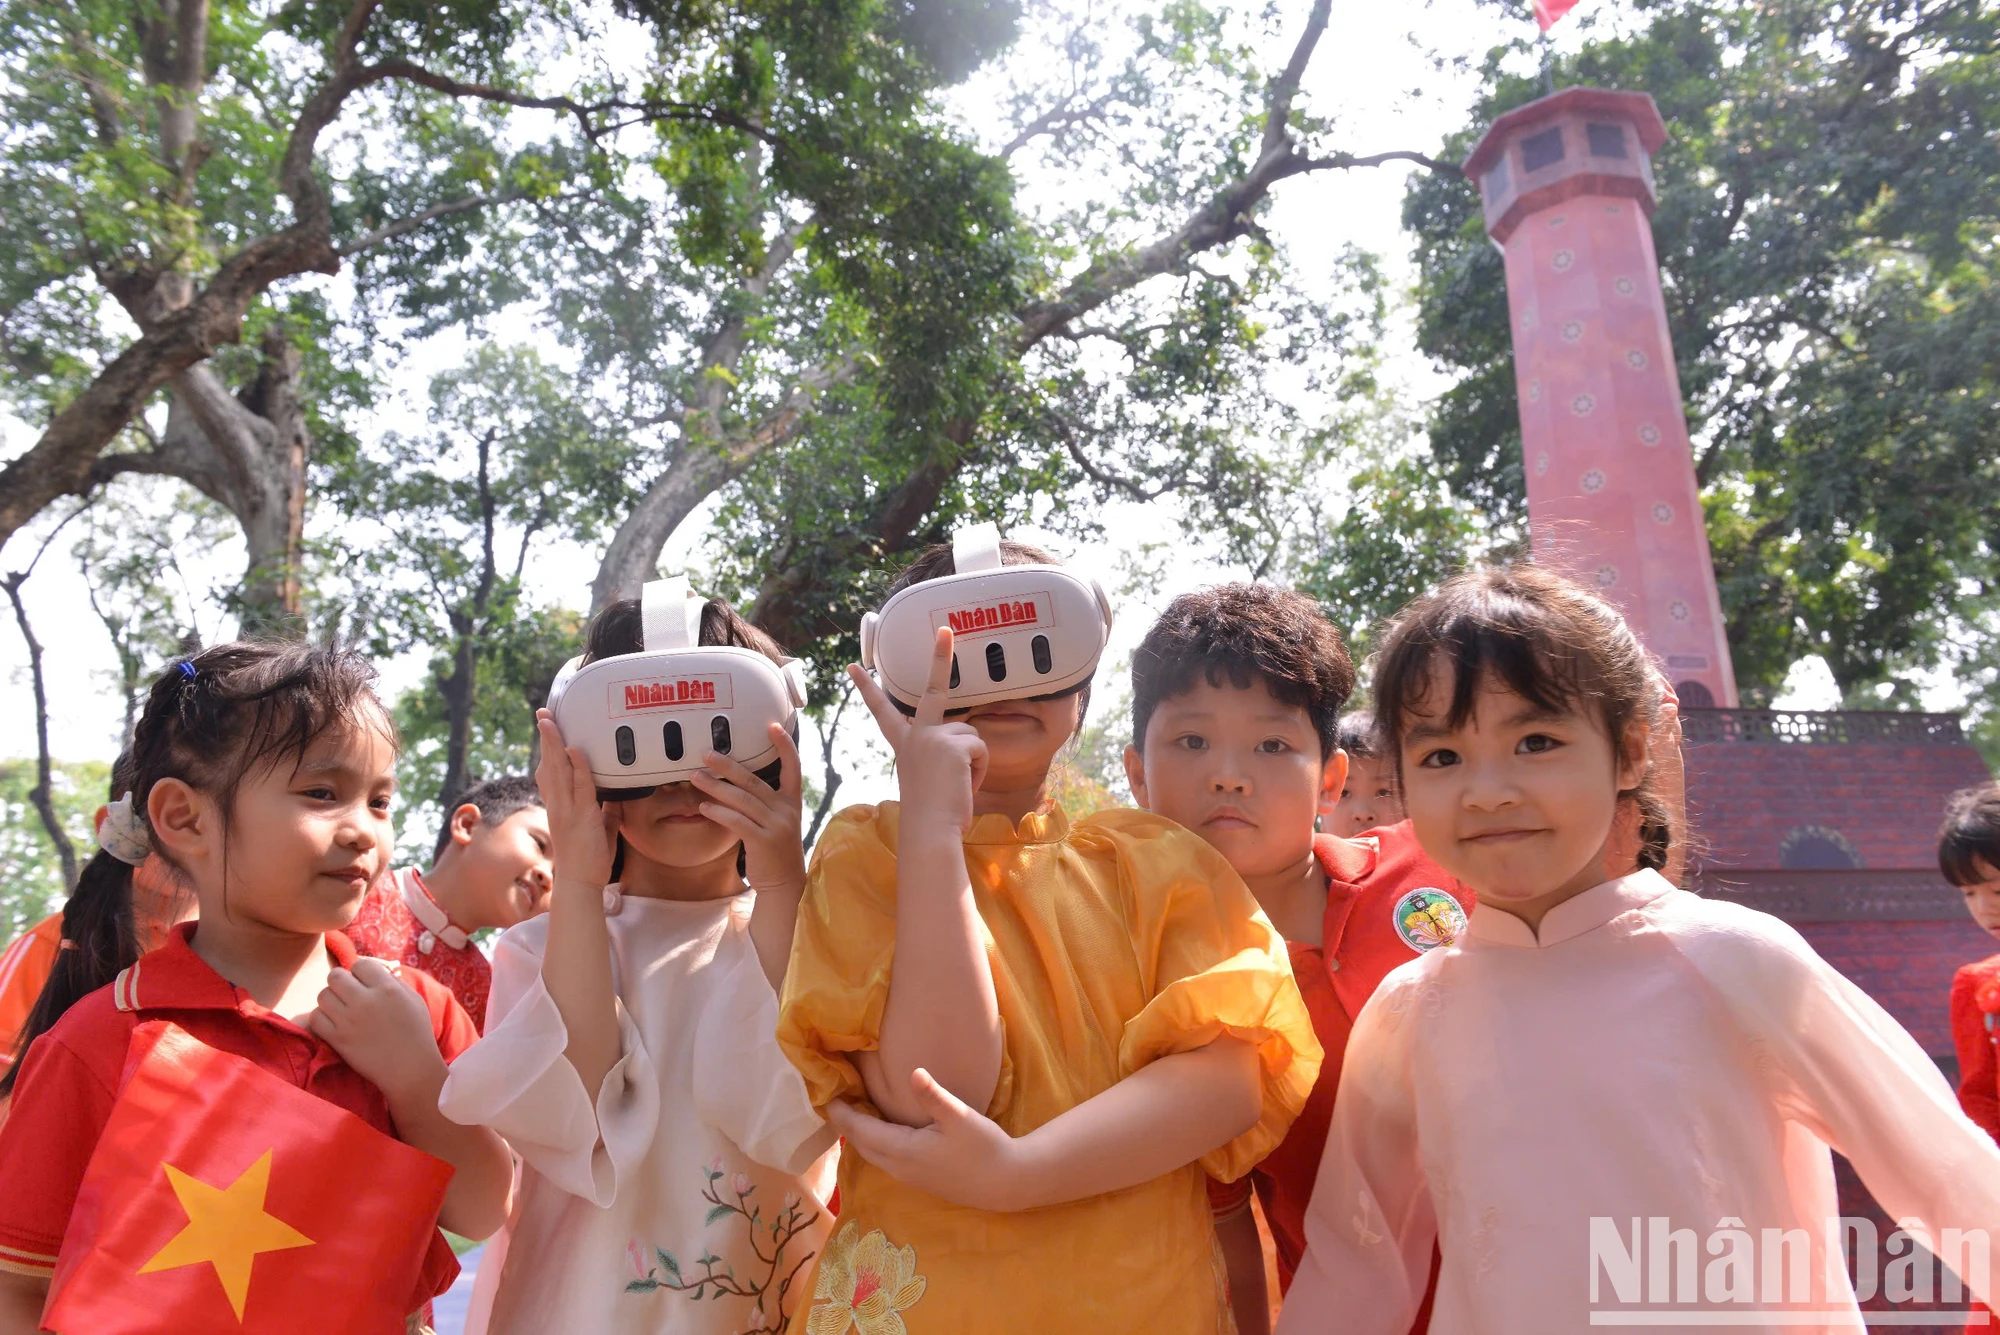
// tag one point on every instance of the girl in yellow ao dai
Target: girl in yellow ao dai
(1106, 991)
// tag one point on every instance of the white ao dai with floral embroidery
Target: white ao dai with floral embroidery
(699, 1167)
(1649, 1055)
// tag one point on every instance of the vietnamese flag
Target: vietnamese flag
(221, 1198)
(1548, 11)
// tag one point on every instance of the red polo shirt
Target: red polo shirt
(70, 1079)
(1363, 937)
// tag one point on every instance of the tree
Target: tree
(1829, 204)
(179, 161)
(1139, 361)
(513, 457)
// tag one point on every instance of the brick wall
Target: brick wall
(1743, 797)
(1906, 966)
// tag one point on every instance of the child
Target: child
(1368, 795)
(261, 777)
(1969, 857)
(1235, 695)
(672, 1168)
(1592, 1058)
(490, 869)
(969, 951)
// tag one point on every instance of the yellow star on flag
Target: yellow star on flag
(227, 1227)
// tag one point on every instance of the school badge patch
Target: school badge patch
(1428, 918)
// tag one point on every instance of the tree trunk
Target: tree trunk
(247, 452)
(460, 692)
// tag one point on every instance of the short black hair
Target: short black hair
(497, 799)
(1357, 735)
(1249, 632)
(1970, 835)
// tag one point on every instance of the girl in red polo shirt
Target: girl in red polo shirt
(261, 777)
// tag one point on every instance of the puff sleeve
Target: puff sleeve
(743, 1085)
(843, 948)
(517, 1081)
(1217, 967)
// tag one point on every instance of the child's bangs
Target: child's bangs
(1469, 644)
(294, 700)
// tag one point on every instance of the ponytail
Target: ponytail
(99, 938)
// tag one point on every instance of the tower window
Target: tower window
(1606, 141)
(1542, 150)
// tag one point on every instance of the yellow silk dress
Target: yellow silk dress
(1113, 941)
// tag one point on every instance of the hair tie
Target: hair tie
(187, 670)
(124, 835)
(67, 944)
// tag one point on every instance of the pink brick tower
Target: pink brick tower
(1567, 182)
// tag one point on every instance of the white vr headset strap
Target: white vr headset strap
(975, 547)
(669, 617)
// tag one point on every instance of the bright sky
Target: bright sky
(1371, 75)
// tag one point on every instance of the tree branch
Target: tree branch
(404, 226)
(1278, 105)
(412, 72)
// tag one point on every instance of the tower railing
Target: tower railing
(1834, 727)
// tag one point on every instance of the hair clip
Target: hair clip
(187, 670)
(66, 944)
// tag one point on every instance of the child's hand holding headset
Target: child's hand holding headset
(939, 765)
(582, 830)
(766, 818)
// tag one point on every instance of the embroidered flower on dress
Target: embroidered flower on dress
(864, 1281)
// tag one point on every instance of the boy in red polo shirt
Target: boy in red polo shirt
(1236, 697)
(490, 869)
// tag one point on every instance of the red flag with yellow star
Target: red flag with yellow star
(221, 1198)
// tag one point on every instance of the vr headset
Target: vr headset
(1018, 632)
(649, 718)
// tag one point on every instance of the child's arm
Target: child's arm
(378, 1025)
(1855, 1078)
(576, 963)
(1162, 1117)
(1370, 1226)
(1243, 1260)
(774, 860)
(942, 1014)
(21, 1300)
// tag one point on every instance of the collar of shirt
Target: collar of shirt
(175, 978)
(1571, 918)
(428, 912)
